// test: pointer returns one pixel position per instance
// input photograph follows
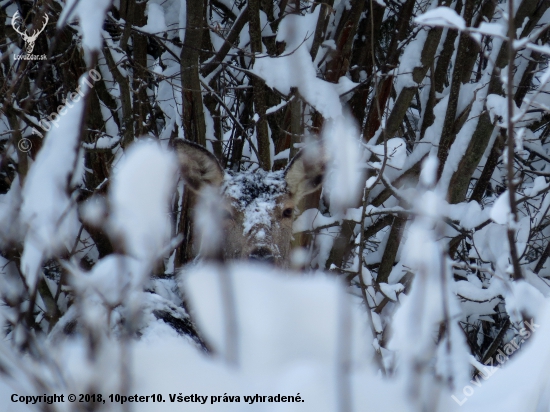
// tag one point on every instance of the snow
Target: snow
(110, 278)
(323, 244)
(294, 67)
(94, 210)
(409, 61)
(467, 290)
(491, 246)
(491, 29)
(429, 300)
(464, 136)
(140, 192)
(182, 20)
(345, 85)
(498, 109)
(155, 19)
(344, 177)
(90, 15)
(499, 390)
(371, 181)
(395, 150)
(209, 221)
(282, 155)
(443, 17)
(9, 204)
(47, 210)
(296, 30)
(289, 341)
(391, 291)
(428, 173)
(330, 44)
(523, 300)
(312, 219)
(469, 215)
(539, 185)
(277, 316)
(169, 100)
(103, 142)
(468, 92)
(277, 107)
(255, 193)
(433, 133)
(133, 323)
(538, 48)
(354, 214)
(171, 11)
(500, 212)
(265, 26)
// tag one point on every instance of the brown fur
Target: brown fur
(267, 199)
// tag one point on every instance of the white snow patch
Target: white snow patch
(443, 17)
(90, 15)
(139, 198)
(500, 212)
(156, 22)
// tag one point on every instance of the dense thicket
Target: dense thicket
(452, 210)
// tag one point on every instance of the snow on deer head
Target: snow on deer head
(259, 205)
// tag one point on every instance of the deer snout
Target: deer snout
(263, 255)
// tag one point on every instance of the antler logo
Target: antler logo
(17, 23)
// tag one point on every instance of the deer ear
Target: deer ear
(306, 172)
(198, 166)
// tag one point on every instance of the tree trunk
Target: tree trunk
(262, 134)
(193, 112)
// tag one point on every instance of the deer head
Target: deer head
(17, 23)
(259, 205)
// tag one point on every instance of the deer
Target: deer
(259, 206)
(17, 22)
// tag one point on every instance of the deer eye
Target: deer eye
(318, 180)
(288, 212)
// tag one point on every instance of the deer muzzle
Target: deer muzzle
(263, 255)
